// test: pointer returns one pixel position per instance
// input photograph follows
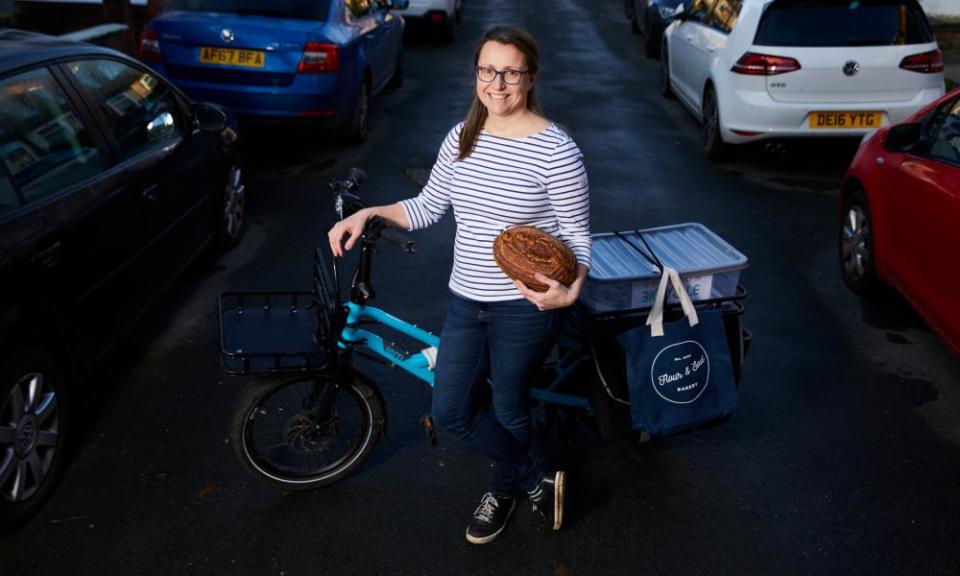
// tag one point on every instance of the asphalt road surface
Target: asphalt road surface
(842, 458)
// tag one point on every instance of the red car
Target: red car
(900, 215)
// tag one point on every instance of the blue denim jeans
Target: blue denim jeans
(505, 342)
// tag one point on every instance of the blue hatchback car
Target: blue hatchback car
(317, 61)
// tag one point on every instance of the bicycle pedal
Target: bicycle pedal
(427, 423)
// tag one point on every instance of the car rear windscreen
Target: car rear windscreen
(848, 23)
(301, 9)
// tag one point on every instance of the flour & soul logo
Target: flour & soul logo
(681, 372)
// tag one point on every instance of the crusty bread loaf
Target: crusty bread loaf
(522, 251)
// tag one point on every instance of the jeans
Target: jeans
(505, 342)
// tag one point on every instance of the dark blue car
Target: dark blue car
(651, 18)
(317, 61)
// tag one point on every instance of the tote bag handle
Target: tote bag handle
(655, 319)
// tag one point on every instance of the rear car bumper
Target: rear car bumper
(754, 111)
(307, 98)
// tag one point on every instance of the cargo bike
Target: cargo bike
(310, 417)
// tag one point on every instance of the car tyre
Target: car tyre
(665, 89)
(233, 207)
(33, 432)
(359, 124)
(713, 144)
(448, 32)
(856, 245)
(634, 21)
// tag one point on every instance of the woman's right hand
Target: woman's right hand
(351, 228)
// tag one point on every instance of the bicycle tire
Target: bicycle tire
(292, 461)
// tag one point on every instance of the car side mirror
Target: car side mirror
(903, 137)
(398, 4)
(209, 117)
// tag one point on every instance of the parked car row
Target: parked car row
(755, 70)
(112, 182)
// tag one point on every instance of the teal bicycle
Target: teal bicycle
(311, 417)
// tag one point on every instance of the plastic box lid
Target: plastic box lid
(689, 248)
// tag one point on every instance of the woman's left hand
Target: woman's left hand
(557, 295)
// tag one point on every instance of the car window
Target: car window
(140, 110)
(304, 9)
(946, 143)
(44, 145)
(359, 8)
(723, 14)
(843, 23)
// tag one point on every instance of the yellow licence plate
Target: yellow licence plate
(839, 120)
(231, 57)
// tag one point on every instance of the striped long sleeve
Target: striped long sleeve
(535, 181)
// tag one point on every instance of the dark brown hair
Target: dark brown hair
(477, 114)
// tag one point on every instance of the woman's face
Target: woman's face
(500, 98)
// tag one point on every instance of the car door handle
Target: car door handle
(48, 257)
(150, 192)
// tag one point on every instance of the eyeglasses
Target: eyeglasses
(510, 76)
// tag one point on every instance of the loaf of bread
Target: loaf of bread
(522, 251)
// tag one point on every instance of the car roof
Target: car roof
(20, 48)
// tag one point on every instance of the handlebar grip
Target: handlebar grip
(357, 176)
(399, 239)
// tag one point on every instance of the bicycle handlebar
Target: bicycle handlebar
(399, 239)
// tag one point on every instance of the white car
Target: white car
(442, 15)
(759, 69)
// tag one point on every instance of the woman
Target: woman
(505, 165)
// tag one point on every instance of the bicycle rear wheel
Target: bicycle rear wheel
(308, 431)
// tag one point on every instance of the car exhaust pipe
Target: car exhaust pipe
(775, 148)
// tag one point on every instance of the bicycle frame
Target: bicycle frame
(418, 365)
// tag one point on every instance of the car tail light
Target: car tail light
(753, 64)
(438, 17)
(926, 63)
(150, 47)
(319, 57)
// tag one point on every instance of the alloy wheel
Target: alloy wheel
(855, 243)
(234, 202)
(29, 431)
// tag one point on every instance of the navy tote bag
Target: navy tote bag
(679, 373)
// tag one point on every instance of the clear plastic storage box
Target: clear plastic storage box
(625, 275)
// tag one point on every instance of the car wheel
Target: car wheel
(32, 433)
(361, 112)
(665, 89)
(396, 80)
(713, 144)
(448, 33)
(634, 22)
(234, 203)
(857, 262)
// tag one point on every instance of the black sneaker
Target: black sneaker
(548, 497)
(490, 518)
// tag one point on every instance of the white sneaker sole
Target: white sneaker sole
(491, 537)
(558, 488)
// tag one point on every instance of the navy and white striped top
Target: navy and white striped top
(537, 181)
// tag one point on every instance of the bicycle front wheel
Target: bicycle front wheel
(308, 431)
